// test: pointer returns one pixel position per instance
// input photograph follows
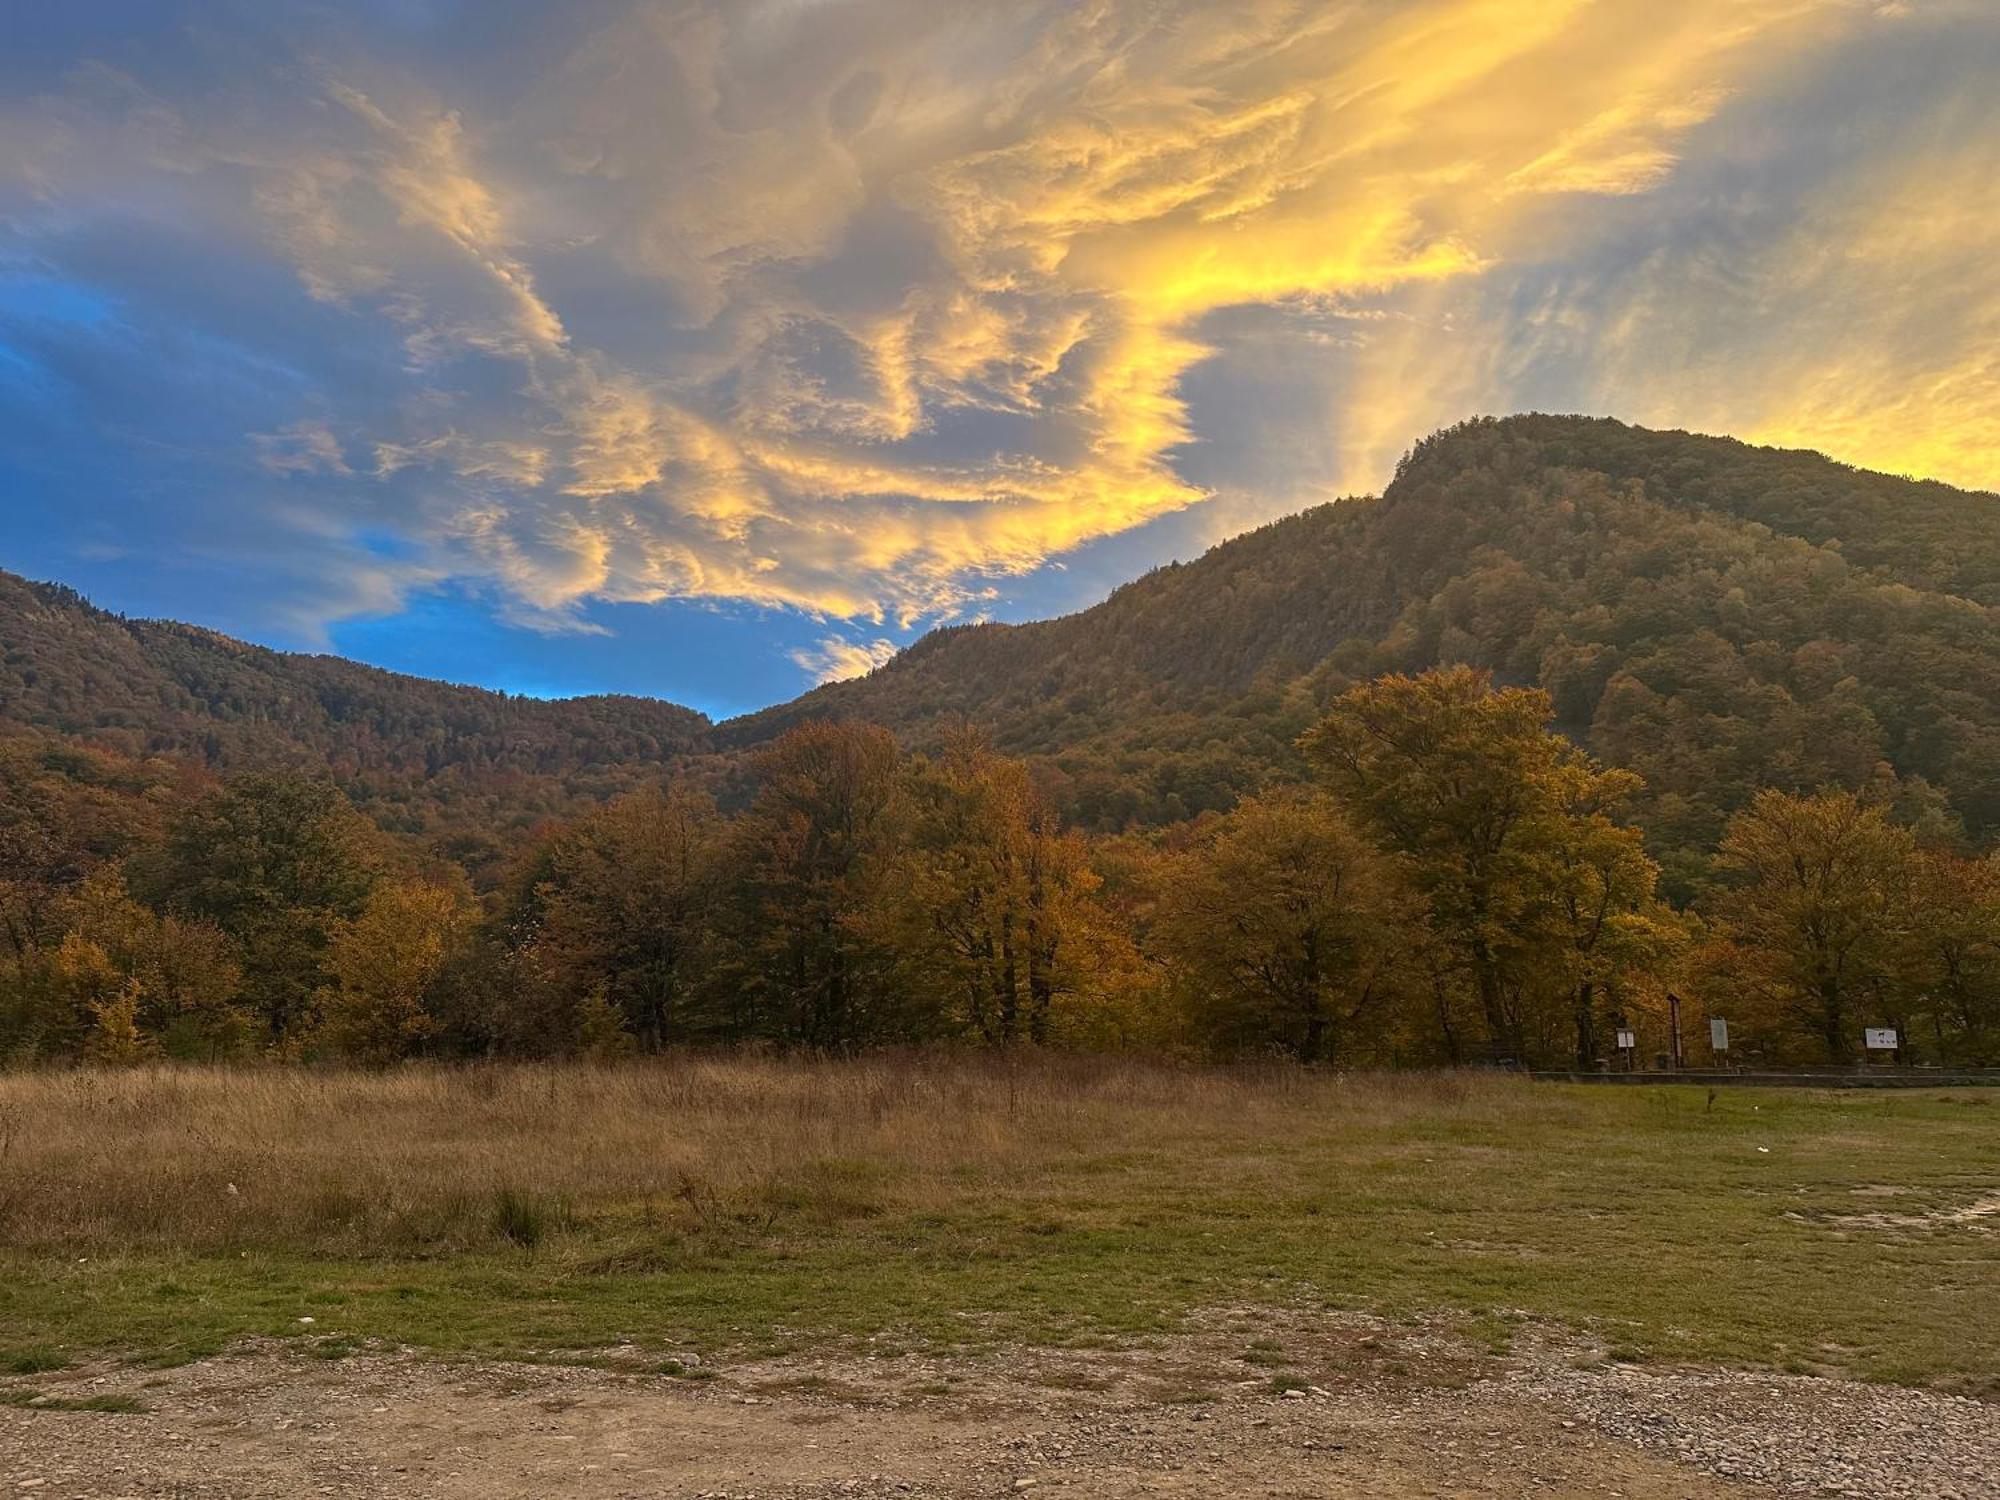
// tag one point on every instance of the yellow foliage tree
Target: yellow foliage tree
(383, 962)
(989, 905)
(115, 1039)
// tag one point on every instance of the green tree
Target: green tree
(276, 862)
(810, 851)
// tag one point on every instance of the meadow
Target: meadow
(678, 1212)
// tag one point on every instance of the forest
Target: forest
(1452, 881)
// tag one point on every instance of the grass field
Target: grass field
(735, 1205)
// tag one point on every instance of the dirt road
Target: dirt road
(1388, 1413)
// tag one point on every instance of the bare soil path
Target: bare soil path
(1390, 1412)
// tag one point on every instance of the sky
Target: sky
(707, 350)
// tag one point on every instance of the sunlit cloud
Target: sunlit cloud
(863, 310)
(1895, 355)
(835, 659)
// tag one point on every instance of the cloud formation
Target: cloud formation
(835, 658)
(861, 308)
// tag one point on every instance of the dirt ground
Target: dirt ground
(1387, 1411)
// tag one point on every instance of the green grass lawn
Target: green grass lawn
(1659, 1222)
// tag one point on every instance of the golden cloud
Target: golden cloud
(1898, 367)
(913, 296)
(835, 659)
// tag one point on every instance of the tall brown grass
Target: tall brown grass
(427, 1159)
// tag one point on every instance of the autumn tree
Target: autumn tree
(809, 854)
(116, 1039)
(989, 906)
(382, 964)
(1285, 927)
(1602, 906)
(92, 994)
(67, 815)
(1467, 784)
(620, 906)
(37, 864)
(277, 862)
(1949, 971)
(179, 974)
(1815, 920)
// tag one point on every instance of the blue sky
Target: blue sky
(706, 350)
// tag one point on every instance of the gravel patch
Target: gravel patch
(1797, 1434)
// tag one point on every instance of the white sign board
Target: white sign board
(1881, 1038)
(1718, 1034)
(1627, 1040)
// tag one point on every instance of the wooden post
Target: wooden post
(1674, 1030)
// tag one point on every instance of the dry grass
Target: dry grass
(748, 1203)
(431, 1159)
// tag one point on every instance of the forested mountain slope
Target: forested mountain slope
(454, 763)
(1716, 616)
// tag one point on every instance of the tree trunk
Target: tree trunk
(1010, 999)
(1314, 1040)
(1452, 1052)
(1833, 1019)
(1041, 988)
(1586, 1025)
(1500, 1032)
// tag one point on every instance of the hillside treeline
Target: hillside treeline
(1451, 881)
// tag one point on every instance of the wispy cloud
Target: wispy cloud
(835, 659)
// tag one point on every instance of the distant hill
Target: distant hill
(467, 768)
(1716, 616)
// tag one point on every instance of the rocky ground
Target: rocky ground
(1249, 1404)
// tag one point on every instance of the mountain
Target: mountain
(1714, 615)
(470, 770)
